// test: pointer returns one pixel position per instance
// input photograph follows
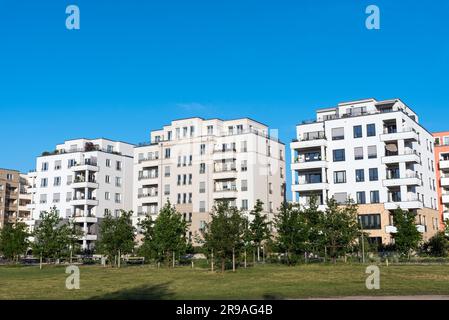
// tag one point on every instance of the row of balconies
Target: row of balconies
(392, 229)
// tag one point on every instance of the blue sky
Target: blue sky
(135, 65)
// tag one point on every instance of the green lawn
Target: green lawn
(267, 281)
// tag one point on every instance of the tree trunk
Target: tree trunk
(263, 254)
(258, 252)
(245, 260)
(212, 261)
(233, 260)
(40, 262)
(174, 259)
(254, 257)
(71, 255)
(119, 259)
(222, 265)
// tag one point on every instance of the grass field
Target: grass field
(261, 282)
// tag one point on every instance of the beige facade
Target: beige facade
(14, 197)
(193, 163)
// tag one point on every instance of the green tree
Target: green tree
(407, 237)
(259, 227)
(339, 227)
(147, 248)
(437, 246)
(224, 234)
(116, 236)
(168, 235)
(292, 231)
(14, 240)
(51, 236)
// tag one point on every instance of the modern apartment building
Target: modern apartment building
(374, 152)
(442, 174)
(13, 197)
(195, 162)
(84, 179)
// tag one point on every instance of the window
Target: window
(107, 179)
(202, 187)
(202, 168)
(118, 198)
(108, 163)
(372, 152)
(373, 174)
(56, 197)
(446, 140)
(118, 166)
(9, 176)
(361, 199)
(357, 131)
(185, 130)
(169, 135)
(370, 221)
(340, 177)
(118, 182)
(339, 155)
(58, 165)
(374, 195)
(359, 175)
(244, 165)
(338, 133)
(371, 130)
(178, 133)
(192, 131)
(341, 197)
(44, 182)
(210, 130)
(43, 198)
(44, 166)
(202, 149)
(245, 205)
(190, 178)
(57, 181)
(244, 146)
(179, 198)
(167, 171)
(358, 153)
(68, 197)
(167, 153)
(71, 163)
(202, 206)
(69, 180)
(167, 190)
(244, 185)
(107, 196)
(179, 179)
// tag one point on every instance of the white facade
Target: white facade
(84, 179)
(195, 162)
(374, 152)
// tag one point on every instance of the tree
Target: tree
(407, 237)
(339, 227)
(51, 236)
(147, 229)
(14, 240)
(292, 231)
(167, 237)
(116, 236)
(224, 234)
(437, 246)
(259, 227)
(72, 234)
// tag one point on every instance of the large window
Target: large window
(357, 131)
(361, 198)
(341, 197)
(370, 221)
(371, 130)
(374, 195)
(339, 155)
(340, 177)
(358, 153)
(373, 174)
(338, 133)
(359, 175)
(372, 152)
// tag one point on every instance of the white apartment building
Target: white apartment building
(84, 179)
(195, 162)
(374, 152)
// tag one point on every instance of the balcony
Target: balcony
(149, 179)
(301, 164)
(90, 237)
(149, 197)
(405, 205)
(219, 154)
(85, 167)
(444, 164)
(405, 134)
(445, 198)
(408, 180)
(309, 140)
(226, 193)
(82, 202)
(444, 181)
(421, 228)
(147, 160)
(85, 219)
(407, 156)
(226, 172)
(303, 186)
(85, 184)
(391, 229)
